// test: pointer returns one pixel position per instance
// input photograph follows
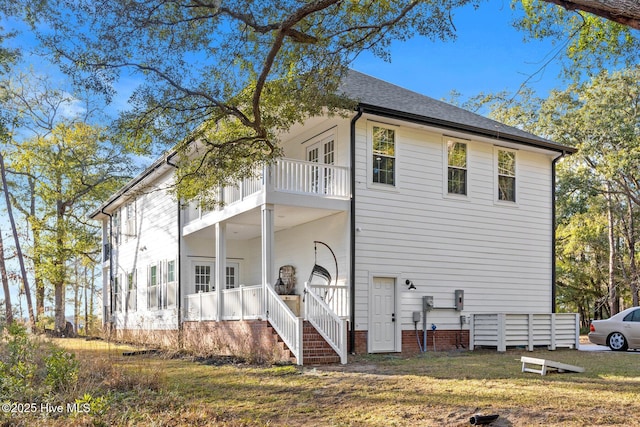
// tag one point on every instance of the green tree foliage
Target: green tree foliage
(73, 167)
(231, 75)
(588, 43)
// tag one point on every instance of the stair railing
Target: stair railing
(328, 324)
(285, 323)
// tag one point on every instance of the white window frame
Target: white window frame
(496, 154)
(117, 293)
(212, 278)
(130, 222)
(131, 301)
(445, 186)
(321, 175)
(154, 305)
(236, 276)
(168, 283)
(370, 175)
(117, 229)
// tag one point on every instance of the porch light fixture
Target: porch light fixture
(410, 284)
(279, 286)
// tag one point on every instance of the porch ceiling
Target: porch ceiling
(247, 225)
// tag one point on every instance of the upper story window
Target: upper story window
(456, 167)
(384, 155)
(130, 220)
(116, 229)
(506, 175)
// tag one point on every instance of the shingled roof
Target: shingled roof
(382, 98)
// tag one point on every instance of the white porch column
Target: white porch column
(267, 247)
(221, 266)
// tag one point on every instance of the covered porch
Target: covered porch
(265, 225)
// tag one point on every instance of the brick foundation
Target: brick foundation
(251, 339)
(255, 340)
(445, 340)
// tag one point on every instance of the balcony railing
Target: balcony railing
(288, 176)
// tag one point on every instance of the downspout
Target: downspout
(352, 243)
(179, 269)
(553, 230)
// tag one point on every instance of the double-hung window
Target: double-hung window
(169, 294)
(456, 167)
(506, 175)
(130, 224)
(132, 293)
(384, 155)
(153, 287)
(117, 293)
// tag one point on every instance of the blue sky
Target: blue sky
(489, 55)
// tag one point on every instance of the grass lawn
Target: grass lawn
(435, 389)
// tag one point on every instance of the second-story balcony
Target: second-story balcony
(287, 181)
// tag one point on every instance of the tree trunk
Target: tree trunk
(37, 268)
(625, 12)
(59, 275)
(631, 244)
(12, 221)
(76, 298)
(5, 285)
(614, 302)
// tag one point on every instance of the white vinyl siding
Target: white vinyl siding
(500, 257)
(156, 240)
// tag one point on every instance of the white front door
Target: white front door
(382, 332)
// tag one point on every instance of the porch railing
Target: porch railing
(332, 328)
(242, 303)
(202, 306)
(286, 324)
(336, 297)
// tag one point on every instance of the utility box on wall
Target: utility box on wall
(459, 295)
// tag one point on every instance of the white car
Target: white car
(620, 332)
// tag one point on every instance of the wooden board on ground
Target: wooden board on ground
(546, 365)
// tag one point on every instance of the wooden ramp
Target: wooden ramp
(545, 365)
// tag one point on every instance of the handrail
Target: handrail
(336, 297)
(285, 323)
(332, 328)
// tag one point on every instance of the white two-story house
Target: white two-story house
(389, 227)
